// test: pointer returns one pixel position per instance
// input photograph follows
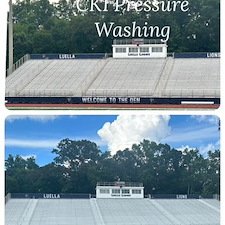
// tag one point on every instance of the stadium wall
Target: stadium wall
(106, 100)
(88, 196)
(50, 196)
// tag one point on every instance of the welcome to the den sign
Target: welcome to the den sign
(133, 30)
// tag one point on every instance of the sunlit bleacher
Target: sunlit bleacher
(112, 211)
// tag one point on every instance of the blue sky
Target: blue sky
(38, 135)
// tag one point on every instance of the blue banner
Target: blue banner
(50, 196)
(180, 196)
(105, 100)
(197, 55)
(68, 56)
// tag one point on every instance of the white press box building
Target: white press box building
(119, 189)
(139, 48)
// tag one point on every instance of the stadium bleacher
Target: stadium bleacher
(123, 77)
(112, 211)
(196, 76)
(49, 78)
(151, 78)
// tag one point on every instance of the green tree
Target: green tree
(126, 165)
(79, 165)
(42, 41)
(194, 172)
(50, 179)
(35, 13)
(212, 179)
(19, 162)
(203, 27)
(22, 40)
(73, 154)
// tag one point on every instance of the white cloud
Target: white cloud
(25, 157)
(46, 144)
(209, 147)
(31, 143)
(205, 118)
(40, 118)
(182, 148)
(203, 149)
(192, 134)
(129, 129)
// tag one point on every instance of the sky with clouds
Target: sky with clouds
(38, 135)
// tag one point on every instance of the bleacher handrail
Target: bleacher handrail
(217, 197)
(17, 64)
(7, 197)
(133, 41)
(116, 183)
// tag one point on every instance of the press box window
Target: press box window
(157, 49)
(115, 191)
(125, 191)
(133, 50)
(144, 49)
(104, 191)
(138, 191)
(120, 50)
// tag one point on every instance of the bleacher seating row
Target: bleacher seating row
(170, 77)
(112, 212)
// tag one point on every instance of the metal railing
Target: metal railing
(120, 183)
(216, 196)
(7, 197)
(135, 41)
(17, 64)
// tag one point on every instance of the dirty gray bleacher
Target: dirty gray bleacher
(24, 74)
(37, 78)
(181, 78)
(129, 77)
(194, 77)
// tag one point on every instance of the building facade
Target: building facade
(139, 48)
(119, 189)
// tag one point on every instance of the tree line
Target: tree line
(80, 164)
(44, 27)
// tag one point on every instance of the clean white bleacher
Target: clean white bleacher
(50, 212)
(158, 212)
(130, 211)
(194, 77)
(127, 77)
(191, 211)
(112, 212)
(15, 210)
